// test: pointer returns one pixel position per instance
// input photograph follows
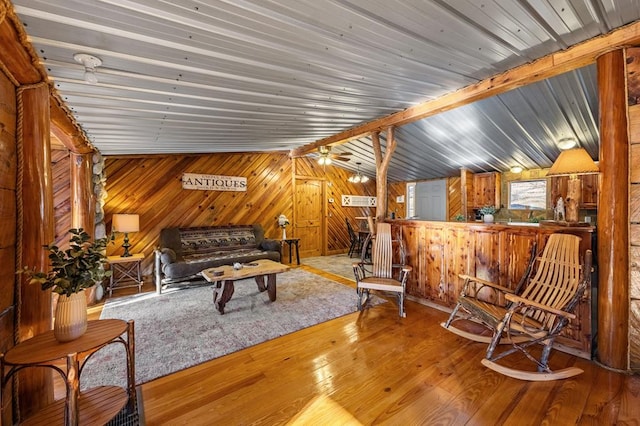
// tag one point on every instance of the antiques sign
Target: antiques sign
(213, 182)
(358, 201)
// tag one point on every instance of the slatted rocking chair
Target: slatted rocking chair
(382, 276)
(540, 313)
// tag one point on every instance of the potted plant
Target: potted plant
(72, 271)
(487, 213)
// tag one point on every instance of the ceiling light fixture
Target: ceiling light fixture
(90, 63)
(324, 159)
(516, 169)
(358, 177)
(567, 143)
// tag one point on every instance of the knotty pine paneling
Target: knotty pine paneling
(61, 169)
(454, 197)
(151, 187)
(336, 185)
(396, 190)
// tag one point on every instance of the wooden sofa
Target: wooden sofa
(184, 252)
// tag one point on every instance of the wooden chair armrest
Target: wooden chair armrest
(487, 283)
(523, 301)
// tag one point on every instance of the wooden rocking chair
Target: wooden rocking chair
(541, 312)
(483, 302)
(381, 277)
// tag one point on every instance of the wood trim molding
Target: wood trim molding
(577, 56)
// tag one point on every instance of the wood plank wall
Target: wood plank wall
(151, 187)
(396, 190)
(337, 184)
(8, 168)
(633, 73)
(61, 168)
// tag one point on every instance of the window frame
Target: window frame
(523, 183)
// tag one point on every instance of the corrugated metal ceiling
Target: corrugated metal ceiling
(232, 76)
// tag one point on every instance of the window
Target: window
(528, 194)
(411, 199)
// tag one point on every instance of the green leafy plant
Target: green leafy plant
(488, 210)
(459, 218)
(80, 266)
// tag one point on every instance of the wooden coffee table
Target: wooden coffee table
(224, 277)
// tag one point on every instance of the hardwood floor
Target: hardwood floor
(375, 368)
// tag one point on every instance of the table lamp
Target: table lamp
(573, 162)
(125, 223)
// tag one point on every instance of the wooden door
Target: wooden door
(309, 223)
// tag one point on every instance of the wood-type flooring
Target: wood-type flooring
(376, 368)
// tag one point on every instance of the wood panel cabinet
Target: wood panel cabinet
(588, 195)
(486, 190)
(440, 251)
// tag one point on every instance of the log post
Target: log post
(613, 213)
(382, 167)
(82, 197)
(35, 223)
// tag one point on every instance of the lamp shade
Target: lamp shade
(125, 223)
(575, 161)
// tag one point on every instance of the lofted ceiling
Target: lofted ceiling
(208, 76)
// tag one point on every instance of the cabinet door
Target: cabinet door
(590, 185)
(486, 188)
(589, 193)
(558, 189)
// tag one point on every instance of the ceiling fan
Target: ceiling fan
(326, 157)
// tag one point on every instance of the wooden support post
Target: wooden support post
(382, 166)
(35, 229)
(613, 216)
(82, 197)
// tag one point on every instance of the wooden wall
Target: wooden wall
(337, 184)
(8, 167)
(61, 168)
(151, 187)
(396, 190)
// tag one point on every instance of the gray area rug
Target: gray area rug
(339, 264)
(181, 328)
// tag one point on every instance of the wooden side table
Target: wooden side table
(93, 406)
(292, 242)
(125, 272)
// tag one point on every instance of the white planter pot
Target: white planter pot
(284, 233)
(488, 218)
(71, 317)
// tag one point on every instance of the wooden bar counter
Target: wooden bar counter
(498, 252)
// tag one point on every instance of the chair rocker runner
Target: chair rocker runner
(381, 277)
(483, 302)
(541, 312)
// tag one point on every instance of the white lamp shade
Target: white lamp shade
(125, 223)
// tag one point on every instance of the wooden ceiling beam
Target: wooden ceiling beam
(66, 129)
(557, 63)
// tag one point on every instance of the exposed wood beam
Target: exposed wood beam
(577, 56)
(64, 127)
